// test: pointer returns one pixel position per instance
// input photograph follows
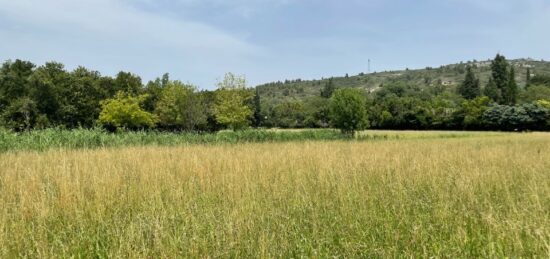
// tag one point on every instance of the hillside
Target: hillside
(445, 77)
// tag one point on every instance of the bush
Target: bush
(522, 117)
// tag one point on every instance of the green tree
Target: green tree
(500, 76)
(545, 104)
(48, 83)
(81, 99)
(316, 111)
(473, 112)
(535, 93)
(469, 89)
(541, 80)
(510, 94)
(289, 114)
(153, 89)
(328, 89)
(348, 111)
(124, 111)
(528, 116)
(491, 90)
(231, 107)
(20, 115)
(128, 83)
(14, 81)
(180, 107)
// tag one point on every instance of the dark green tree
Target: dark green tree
(47, 84)
(128, 83)
(500, 76)
(81, 100)
(316, 111)
(14, 81)
(510, 92)
(469, 89)
(20, 115)
(329, 88)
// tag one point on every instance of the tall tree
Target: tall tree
(469, 89)
(231, 107)
(510, 94)
(329, 88)
(500, 75)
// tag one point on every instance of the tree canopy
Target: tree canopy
(348, 111)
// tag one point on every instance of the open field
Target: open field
(419, 194)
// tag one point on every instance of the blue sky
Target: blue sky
(197, 41)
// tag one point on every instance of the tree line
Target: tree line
(50, 96)
(500, 103)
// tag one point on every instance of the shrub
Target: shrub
(522, 117)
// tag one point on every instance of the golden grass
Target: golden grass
(470, 197)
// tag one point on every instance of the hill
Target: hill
(445, 77)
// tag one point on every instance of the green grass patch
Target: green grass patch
(41, 140)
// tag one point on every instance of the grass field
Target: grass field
(409, 194)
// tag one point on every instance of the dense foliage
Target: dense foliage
(487, 95)
(348, 110)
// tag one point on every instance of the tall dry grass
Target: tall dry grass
(470, 197)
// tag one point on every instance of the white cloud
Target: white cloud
(117, 32)
(114, 20)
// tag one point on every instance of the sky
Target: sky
(198, 41)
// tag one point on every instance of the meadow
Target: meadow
(384, 194)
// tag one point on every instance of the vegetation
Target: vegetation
(179, 107)
(394, 198)
(432, 98)
(41, 140)
(125, 112)
(348, 110)
(231, 106)
(469, 89)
